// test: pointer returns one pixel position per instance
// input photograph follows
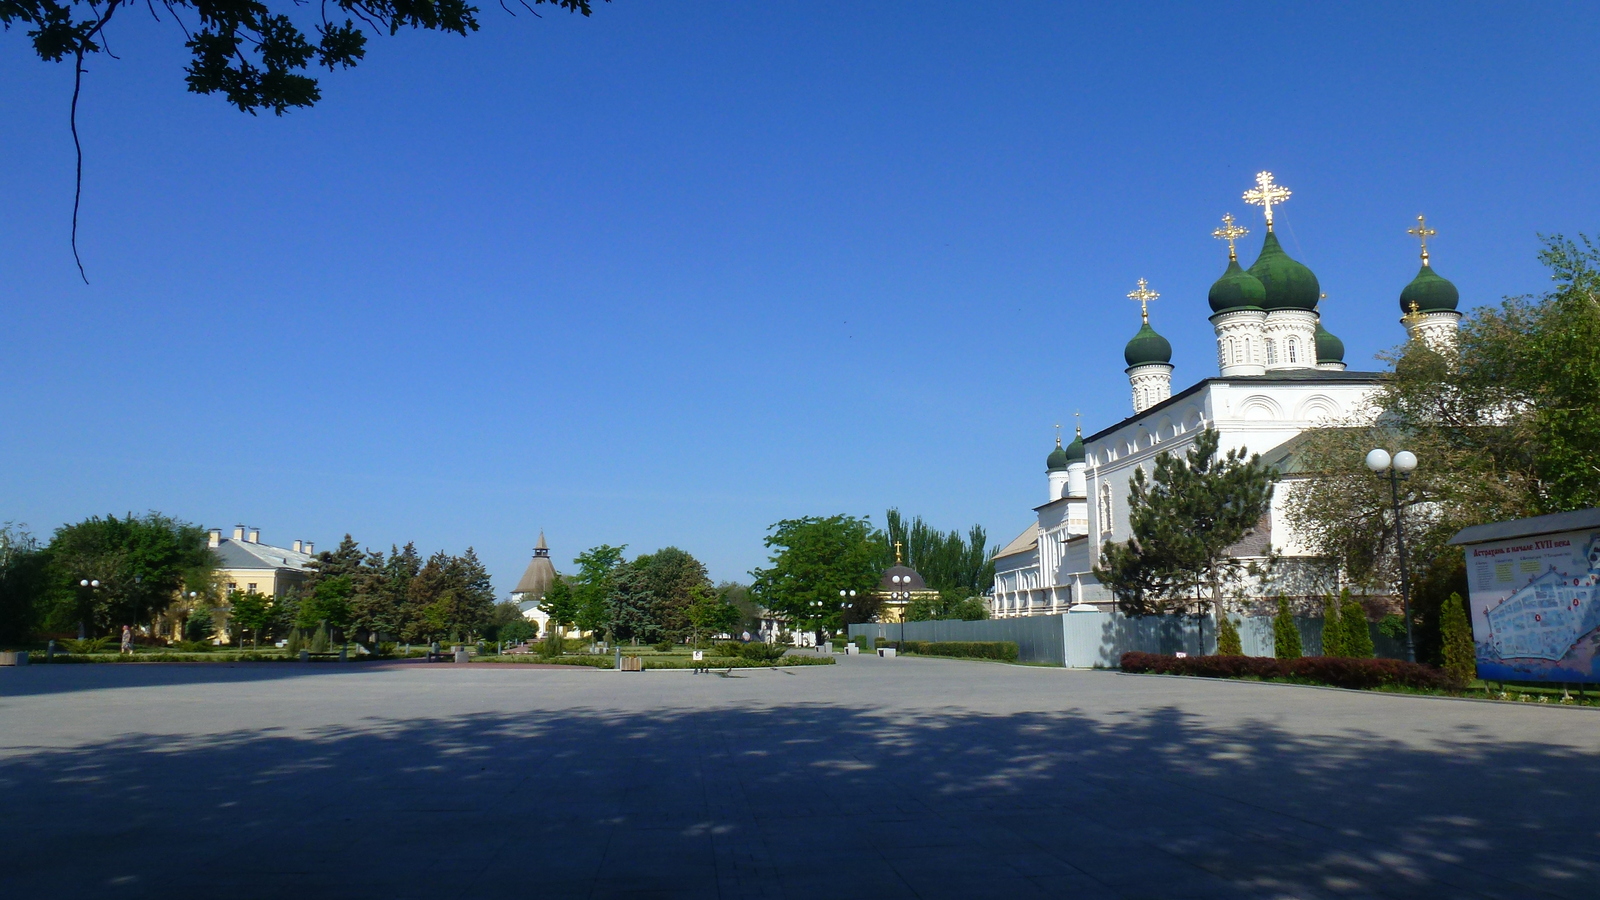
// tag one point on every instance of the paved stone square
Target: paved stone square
(873, 778)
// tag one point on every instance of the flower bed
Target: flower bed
(1363, 674)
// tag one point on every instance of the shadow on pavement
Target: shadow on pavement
(815, 800)
(44, 678)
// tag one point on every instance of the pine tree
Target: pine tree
(1460, 652)
(319, 641)
(1285, 634)
(1185, 520)
(1332, 629)
(1357, 638)
(1228, 643)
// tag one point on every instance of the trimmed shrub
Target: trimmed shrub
(662, 647)
(1460, 654)
(865, 642)
(1332, 630)
(295, 642)
(1357, 638)
(1228, 643)
(1001, 650)
(1285, 636)
(1336, 672)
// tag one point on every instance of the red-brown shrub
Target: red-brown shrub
(1334, 671)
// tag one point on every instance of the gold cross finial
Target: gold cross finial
(1230, 232)
(1058, 434)
(897, 553)
(1265, 194)
(1079, 417)
(1422, 232)
(1144, 295)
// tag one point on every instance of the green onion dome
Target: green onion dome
(1147, 348)
(1430, 292)
(1288, 284)
(1075, 451)
(1058, 458)
(1236, 289)
(1329, 348)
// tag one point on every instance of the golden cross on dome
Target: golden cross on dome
(897, 553)
(1058, 434)
(1079, 427)
(1422, 232)
(1265, 194)
(1230, 232)
(1144, 295)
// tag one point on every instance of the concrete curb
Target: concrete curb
(1327, 687)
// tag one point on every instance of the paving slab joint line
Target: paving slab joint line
(1369, 693)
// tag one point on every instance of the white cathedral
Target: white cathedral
(1280, 374)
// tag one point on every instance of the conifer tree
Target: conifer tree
(1460, 651)
(1185, 520)
(1285, 635)
(1332, 630)
(1228, 643)
(1357, 639)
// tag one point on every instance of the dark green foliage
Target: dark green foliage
(23, 577)
(591, 587)
(630, 606)
(201, 625)
(1184, 520)
(812, 560)
(253, 55)
(662, 646)
(1459, 650)
(1356, 642)
(1350, 673)
(1332, 628)
(295, 642)
(320, 640)
(501, 615)
(867, 643)
(141, 563)
(329, 603)
(250, 611)
(947, 560)
(952, 603)
(1228, 643)
(518, 631)
(675, 579)
(553, 645)
(1001, 650)
(1392, 626)
(1285, 635)
(757, 651)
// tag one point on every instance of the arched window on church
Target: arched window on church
(1293, 357)
(1272, 353)
(1249, 358)
(1105, 511)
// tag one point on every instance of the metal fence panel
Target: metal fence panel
(1038, 638)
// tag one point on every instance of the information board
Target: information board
(1536, 607)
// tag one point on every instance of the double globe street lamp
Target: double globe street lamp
(904, 594)
(1398, 467)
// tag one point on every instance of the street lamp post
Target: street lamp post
(847, 600)
(1397, 467)
(903, 595)
(92, 585)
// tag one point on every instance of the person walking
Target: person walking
(127, 640)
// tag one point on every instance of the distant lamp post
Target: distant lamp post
(847, 600)
(1398, 467)
(93, 585)
(902, 592)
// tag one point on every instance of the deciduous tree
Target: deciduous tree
(813, 559)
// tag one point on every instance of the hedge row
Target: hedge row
(1334, 671)
(602, 661)
(1002, 650)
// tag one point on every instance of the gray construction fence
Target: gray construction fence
(1097, 640)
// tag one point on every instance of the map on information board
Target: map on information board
(1536, 607)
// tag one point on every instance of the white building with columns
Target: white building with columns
(1280, 374)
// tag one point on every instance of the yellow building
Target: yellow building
(245, 564)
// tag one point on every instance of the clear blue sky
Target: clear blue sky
(674, 272)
